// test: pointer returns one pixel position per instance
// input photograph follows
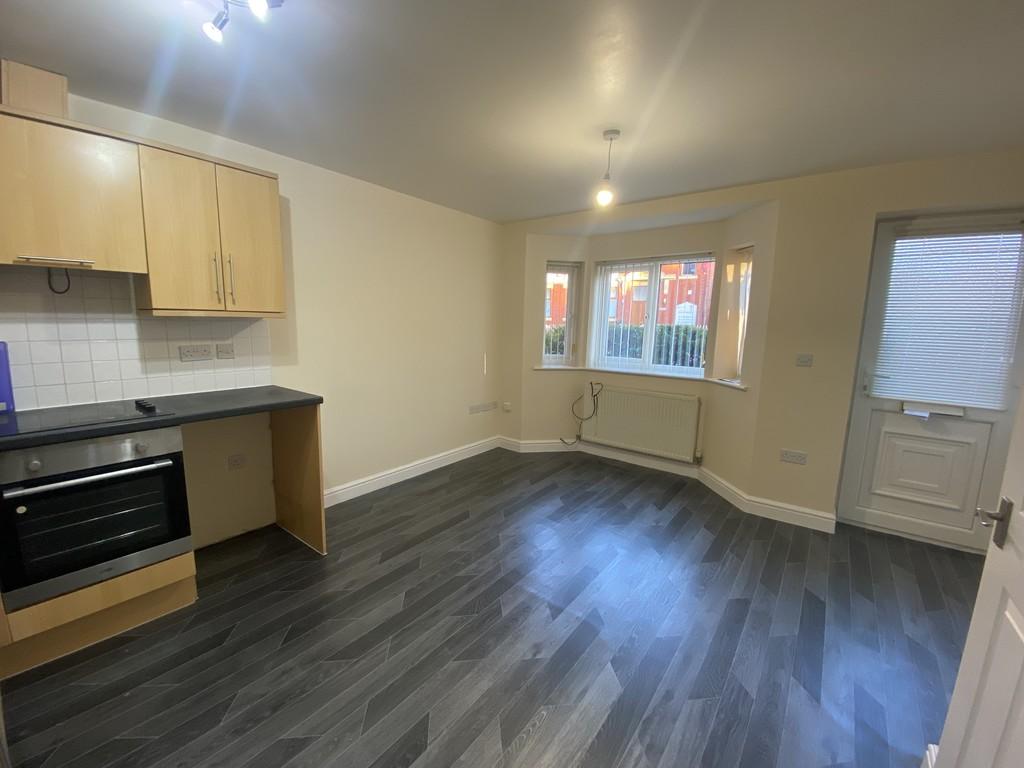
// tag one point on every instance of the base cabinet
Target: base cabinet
(48, 630)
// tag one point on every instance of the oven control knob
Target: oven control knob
(34, 465)
(142, 448)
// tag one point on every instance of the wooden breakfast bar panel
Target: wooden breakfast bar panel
(298, 474)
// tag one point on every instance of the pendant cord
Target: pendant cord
(608, 170)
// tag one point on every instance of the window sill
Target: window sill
(728, 383)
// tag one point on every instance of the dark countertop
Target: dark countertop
(173, 410)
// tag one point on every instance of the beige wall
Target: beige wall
(371, 323)
(817, 237)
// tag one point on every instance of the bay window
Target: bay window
(652, 315)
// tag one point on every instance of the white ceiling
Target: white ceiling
(496, 107)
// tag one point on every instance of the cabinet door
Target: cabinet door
(179, 196)
(69, 197)
(250, 239)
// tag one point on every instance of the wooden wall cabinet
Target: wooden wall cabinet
(214, 238)
(250, 238)
(203, 234)
(179, 197)
(33, 89)
(70, 198)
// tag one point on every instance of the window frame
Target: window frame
(573, 269)
(745, 287)
(598, 327)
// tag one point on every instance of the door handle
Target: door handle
(216, 276)
(1000, 519)
(231, 274)
(55, 260)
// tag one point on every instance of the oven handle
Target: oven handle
(18, 493)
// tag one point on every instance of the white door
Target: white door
(933, 410)
(985, 724)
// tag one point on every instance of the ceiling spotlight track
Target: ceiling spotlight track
(214, 29)
(605, 193)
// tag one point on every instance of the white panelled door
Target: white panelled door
(934, 406)
(985, 724)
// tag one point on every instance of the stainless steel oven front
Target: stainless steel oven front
(78, 513)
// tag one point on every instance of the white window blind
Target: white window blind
(952, 312)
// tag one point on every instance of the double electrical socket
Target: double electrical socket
(793, 457)
(190, 353)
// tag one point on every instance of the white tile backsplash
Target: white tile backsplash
(88, 345)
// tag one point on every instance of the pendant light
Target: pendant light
(605, 192)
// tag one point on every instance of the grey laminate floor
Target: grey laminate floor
(537, 610)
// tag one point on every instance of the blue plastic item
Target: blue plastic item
(6, 388)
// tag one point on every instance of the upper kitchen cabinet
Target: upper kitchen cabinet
(250, 239)
(70, 198)
(179, 197)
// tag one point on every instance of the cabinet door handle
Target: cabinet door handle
(80, 262)
(216, 276)
(231, 274)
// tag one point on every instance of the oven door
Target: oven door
(64, 532)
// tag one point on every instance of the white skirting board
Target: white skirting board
(787, 513)
(375, 482)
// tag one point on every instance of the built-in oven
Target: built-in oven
(78, 513)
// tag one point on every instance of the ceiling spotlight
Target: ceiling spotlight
(259, 9)
(605, 192)
(215, 29)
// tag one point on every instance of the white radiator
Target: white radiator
(648, 422)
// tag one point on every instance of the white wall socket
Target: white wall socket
(226, 351)
(191, 352)
(792, 457)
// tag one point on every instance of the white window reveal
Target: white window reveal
(653, 316)
(952, 312)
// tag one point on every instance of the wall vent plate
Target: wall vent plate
(792, 457)
(188, 353)
(804, 360)
(483, 407)
(226, 351)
